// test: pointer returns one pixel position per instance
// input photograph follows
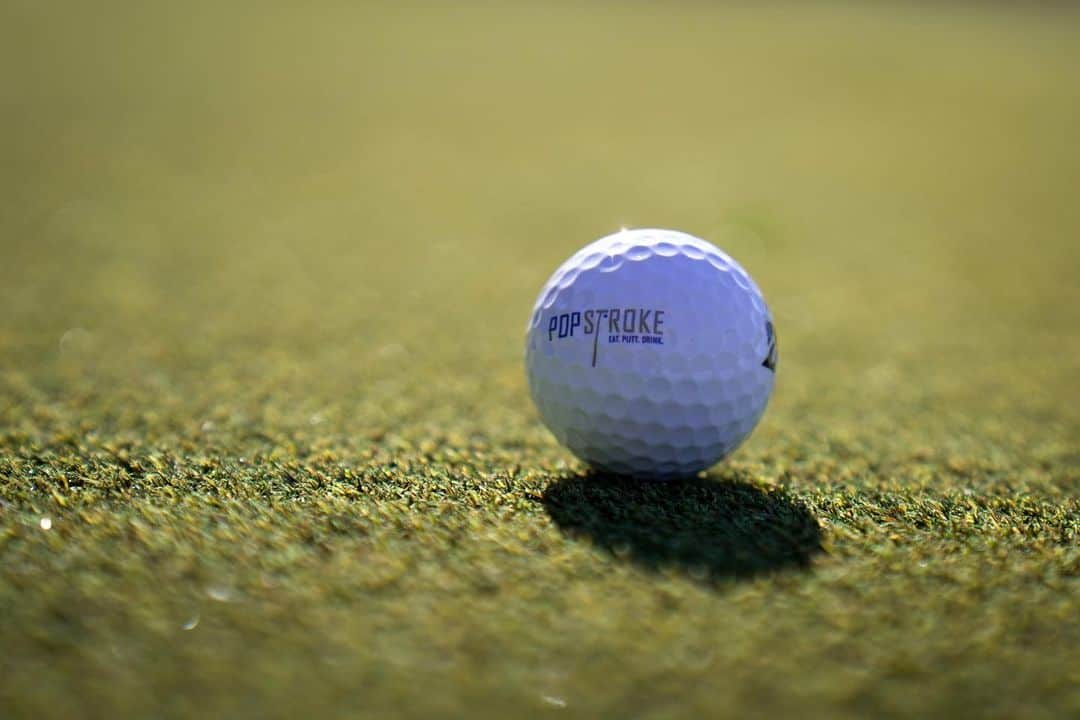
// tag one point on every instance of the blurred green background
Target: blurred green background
(264, 272)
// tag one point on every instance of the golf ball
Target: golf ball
(650, 353)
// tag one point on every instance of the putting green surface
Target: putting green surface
(266, 448)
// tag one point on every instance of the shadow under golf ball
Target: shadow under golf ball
(712, 529)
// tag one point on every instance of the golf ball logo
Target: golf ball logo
(770, 359)
(628, 326)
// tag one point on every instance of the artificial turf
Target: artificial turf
(266, 448)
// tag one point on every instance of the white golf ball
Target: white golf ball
(650, 353)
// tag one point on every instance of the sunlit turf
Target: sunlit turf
(265, 443)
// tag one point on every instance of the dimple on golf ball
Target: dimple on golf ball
(651, 353)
